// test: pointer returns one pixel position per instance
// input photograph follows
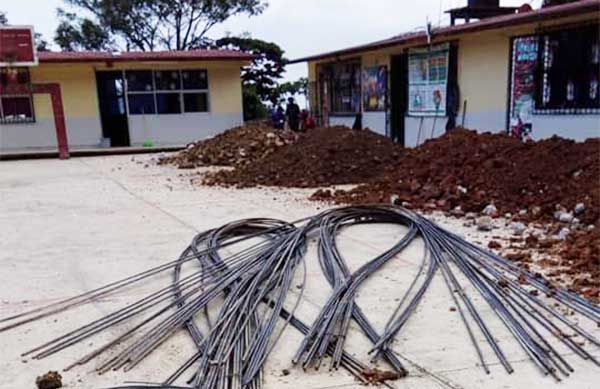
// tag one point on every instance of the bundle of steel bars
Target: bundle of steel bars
(248, 289)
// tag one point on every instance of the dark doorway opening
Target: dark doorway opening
(398, 96)
(113, 113)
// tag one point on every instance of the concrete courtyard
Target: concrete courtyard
(70, 226)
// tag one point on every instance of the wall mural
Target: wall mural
(525, 58)
(375, 88)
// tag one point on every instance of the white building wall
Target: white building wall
(180, 129)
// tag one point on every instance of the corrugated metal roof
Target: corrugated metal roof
(99, 56)
(569, 9)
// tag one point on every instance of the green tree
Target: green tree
(260, 79)
(3, 19)
(147, 25)
(75, 34)
(293, 88)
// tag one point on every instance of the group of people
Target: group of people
(297, 120)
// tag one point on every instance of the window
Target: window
(141, 103)
(195, 102)
(194, 79)
(139, 81)
(569, 69)
(167, 80)
(167, 91)
(168, 103)
(17, 106)
(345, 87)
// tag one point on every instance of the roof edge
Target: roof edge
(565, 10)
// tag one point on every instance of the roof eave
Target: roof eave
(117, 59)
(571, 9)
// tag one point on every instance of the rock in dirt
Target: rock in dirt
(485, 223)
(376, 376)
(490, 210)
(579, 208)
(50, 380)
(564, 217)
(563, 233)
(517, 228)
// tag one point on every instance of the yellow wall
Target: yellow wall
(78, 85)
(78, 88)
(483, 71)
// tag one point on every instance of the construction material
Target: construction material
(470, 170)
(321, 157)
(238, 146)
(251, 306)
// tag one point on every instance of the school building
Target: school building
(119, 99)
(513, 69)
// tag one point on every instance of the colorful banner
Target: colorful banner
(525, 58)
(374, 88)
(428, 80)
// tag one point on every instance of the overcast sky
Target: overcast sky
(300, 27)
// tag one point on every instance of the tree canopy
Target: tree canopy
(146, 25)
(267, 66)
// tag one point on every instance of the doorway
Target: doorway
(398, 96)
(113, 112)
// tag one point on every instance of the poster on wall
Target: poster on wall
(522, 103)
(374, 88)
(428, 80)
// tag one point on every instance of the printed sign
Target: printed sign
(428, 80)
(525, 58)
(374, 88)
(17, 46)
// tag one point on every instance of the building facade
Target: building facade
(124, 99)
(534, 72)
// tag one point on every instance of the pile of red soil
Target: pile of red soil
(470, 170)
(238, 146)
(581, 257)
(321, 157)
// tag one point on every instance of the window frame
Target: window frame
(180, 92)
(357, 64)
(541, 73)
(29, 96)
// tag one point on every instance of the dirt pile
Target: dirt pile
(50, 380)
(321, 157)
(469, 170)
(582, 257)
(238, 146)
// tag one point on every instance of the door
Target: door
(398, 96)
(113, 113)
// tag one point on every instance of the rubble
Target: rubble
(485, 223)
(50, 380)
(500, 172)
(490, 210)
(518, 228)
(238, 146)
(321, 157)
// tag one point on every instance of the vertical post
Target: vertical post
(59, 116)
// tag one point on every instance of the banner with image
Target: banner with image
(525, 57)
(428, 80)
(374, 88)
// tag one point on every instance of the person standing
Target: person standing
(292, 112)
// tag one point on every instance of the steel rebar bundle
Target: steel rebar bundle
(230, 291)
